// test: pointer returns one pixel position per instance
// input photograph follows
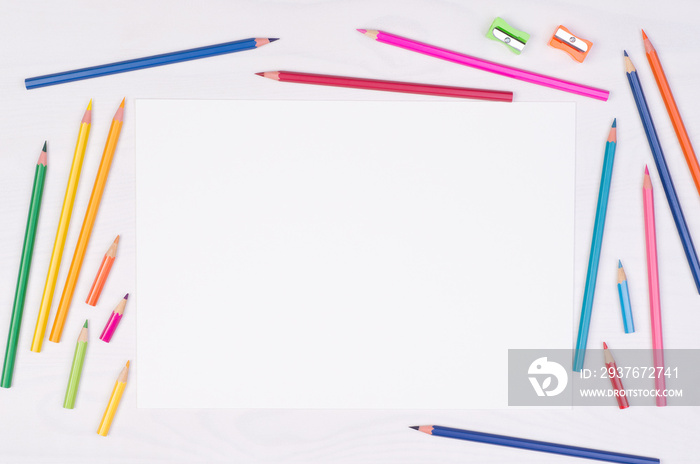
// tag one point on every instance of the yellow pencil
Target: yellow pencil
(114, 400)
(90, 216)
(63, 223)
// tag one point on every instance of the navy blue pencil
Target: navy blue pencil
(534, 445)
(145, 62)
(662, 168)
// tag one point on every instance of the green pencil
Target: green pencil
(76, 369)
(25, 263)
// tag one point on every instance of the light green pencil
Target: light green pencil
(76, 369)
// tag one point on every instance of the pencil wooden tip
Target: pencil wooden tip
(629, 67)
(119, 115)
(621, 276)
(42, 156)
(605, 346)
(647, 179)
(116, 240)
(85, 325)
(371, 33)
(87, 117)
(612, 136)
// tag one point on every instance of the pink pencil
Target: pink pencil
(484, 65)
(113, 320)
(657, 340)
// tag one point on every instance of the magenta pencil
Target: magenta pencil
(114, 320)
(657, 341)
(490, 66)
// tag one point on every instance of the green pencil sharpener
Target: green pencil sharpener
(503, 32)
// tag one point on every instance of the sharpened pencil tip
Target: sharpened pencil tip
(122, 103)
(644, 36)
(126, 297)
(85, 325)
(260, 74)
(362, 31)
(619, 264)
(272, 40)
(127, 364)
(614, 124)
(605, 346)
(414, 427)
(646, 170)
(44, 149)
(89, 107)
(625, 52)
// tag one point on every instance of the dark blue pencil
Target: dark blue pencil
(145, 62)
(534, 445)
(662, 168)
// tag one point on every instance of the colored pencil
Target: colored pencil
(114, 400)
(672, 110)
(25, 263)
(624, 293)
(76, 368)
(389, 86)
(615, 379)
(145, 62)
(596, 246)
(533, 445)
(657, 340)
(113, 321)
(662, 168)
(490, 66)
(88, 222)
(62, 231)
(102, 274)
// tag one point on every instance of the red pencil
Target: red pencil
(389, 86)
(615, 379)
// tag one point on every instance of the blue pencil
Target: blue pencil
(664, 173)
(145, 62)
(625, 305)
(596, 245)
(533, 445)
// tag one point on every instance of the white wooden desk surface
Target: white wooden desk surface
(319, 36)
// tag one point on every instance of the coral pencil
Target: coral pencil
(113, 321)
(102, 274)
(389, 86)
(24, 265)
(114, 400)
(596, 247)
(672, 110)
(76, 368)
(615, 379)
(657, 340)
(89, 221)
(534, 445)
(478, 63)
(624, 293)
(664, 174)
(62, 231)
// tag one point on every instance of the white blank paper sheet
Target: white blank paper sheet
(296, 254)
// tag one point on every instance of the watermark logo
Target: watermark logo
(546, 371)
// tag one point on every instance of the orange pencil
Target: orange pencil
(102, 273)
(673, 112)
(89, 221)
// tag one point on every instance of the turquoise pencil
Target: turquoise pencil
(596, 245)
(625, 305)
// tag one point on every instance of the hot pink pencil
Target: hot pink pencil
(113, 321)
(657, 340)
(484, 65)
